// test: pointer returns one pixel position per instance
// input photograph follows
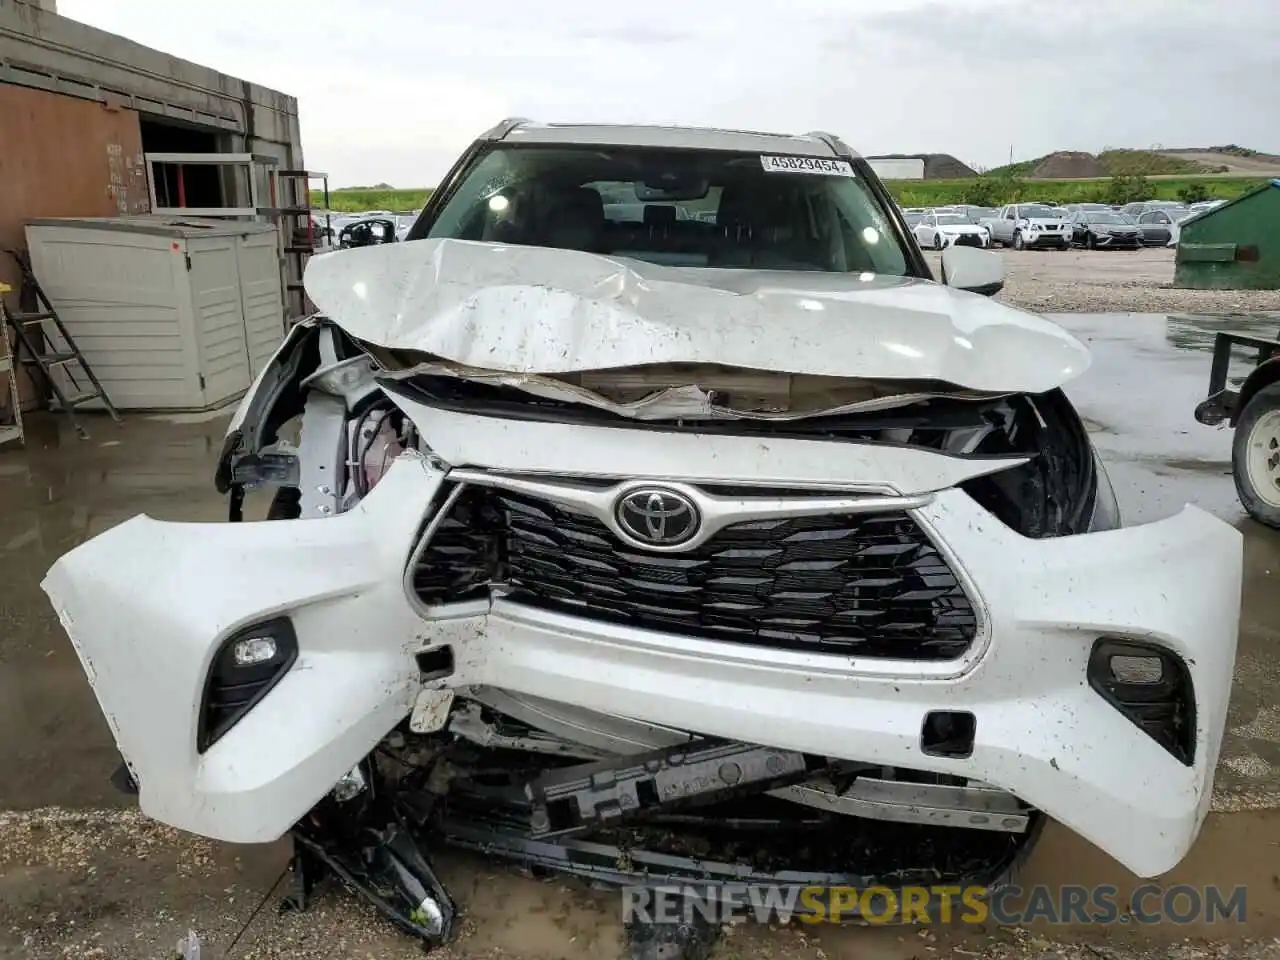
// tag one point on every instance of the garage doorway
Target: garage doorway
(200, 185)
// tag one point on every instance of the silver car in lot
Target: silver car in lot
(1157, 225)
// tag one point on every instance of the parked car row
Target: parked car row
(1037, 225)
(1029, 225)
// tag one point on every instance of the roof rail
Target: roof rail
(838, 146)
(499, 131)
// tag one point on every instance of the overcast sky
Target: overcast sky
(391, 90)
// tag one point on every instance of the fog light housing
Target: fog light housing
(1152, 687)
(248, 664)
(253, 650)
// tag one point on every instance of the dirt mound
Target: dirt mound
(1069, 165)
(937, 166)
(943, 166)
(1234, 160)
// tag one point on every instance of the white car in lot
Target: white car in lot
(668, 524)
(939, 230)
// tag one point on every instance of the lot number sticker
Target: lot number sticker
(828, 168)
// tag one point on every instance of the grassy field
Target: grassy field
(359, 199)
(987, 190)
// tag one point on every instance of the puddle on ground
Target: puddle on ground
(1138, 400)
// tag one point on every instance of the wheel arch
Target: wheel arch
(1263, 375)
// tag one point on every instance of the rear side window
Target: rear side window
(676, 207)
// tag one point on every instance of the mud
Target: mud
(114, 885)
(105, 879)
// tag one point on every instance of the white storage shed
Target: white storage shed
(171, 313)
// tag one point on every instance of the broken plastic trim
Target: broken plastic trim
(368, 843)
(273, 401)
(489, 803)
(1162, 706)
(393, 875)
(1053, 494)
(122, 779)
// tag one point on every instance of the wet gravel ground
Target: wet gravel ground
(1102, 281)
(116, 886)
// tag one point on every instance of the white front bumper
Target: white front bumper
(949, 239)
(148, 603)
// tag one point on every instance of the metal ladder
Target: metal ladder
(35, 347)
(9, 431)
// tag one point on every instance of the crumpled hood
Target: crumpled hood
(549, 311)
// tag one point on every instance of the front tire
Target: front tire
(1090, 243)
(1018, 242)
(937, 241)
(1255, 456)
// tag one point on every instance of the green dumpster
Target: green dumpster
(1233, 247)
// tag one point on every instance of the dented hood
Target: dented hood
(534, 310)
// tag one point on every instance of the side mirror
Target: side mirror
(978, 271)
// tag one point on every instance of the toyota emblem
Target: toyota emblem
(658, 517)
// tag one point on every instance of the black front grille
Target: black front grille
(968, 240)
(860, 585)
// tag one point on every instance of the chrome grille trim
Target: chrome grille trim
(717, 512)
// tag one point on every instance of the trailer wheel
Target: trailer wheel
(1255, 456)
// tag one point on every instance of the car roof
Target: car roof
(815, 144)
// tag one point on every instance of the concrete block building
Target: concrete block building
(80, 107)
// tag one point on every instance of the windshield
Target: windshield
(945, 218)
(1037, 211)
(676, 207)
(1108, 218)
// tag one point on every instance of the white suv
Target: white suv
(657, 473)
